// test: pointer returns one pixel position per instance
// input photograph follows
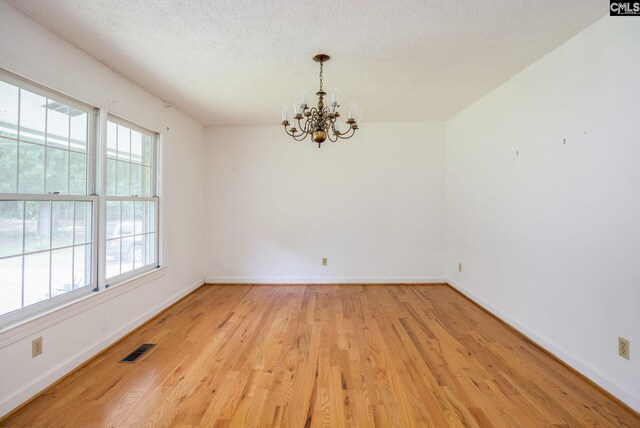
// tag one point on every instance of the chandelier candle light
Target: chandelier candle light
(319, 122)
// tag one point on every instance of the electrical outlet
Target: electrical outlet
(623, 348)
(36, 347)
(459, 266)
(325, 261)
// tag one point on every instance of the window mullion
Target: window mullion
(73, 247)
(100, 212)
(18, 143)
(156, 193)
(69, 153)
(50, 243)
(46, 148)
(24, 228)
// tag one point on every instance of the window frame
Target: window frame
(96, 161)
(103, 281)
(30, 311)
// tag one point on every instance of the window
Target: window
(63, 232)
(47, 238)
(131, 208)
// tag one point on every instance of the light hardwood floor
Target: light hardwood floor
(298, 356)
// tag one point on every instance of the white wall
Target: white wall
(82, 330)
(373, 205)
(550, 238)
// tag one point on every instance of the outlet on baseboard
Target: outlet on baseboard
(623, 348)
(36, 347)
(325, 261)
(459, 266)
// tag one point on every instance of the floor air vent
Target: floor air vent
(140, 350)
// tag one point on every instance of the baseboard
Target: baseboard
(599, 380)
(23, 395)
(323, 280)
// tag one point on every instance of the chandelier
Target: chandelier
(319, 122)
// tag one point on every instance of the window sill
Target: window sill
(14, 332)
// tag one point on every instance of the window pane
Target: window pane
(57, 171)
(83, 223)
(127, 225)
(136, 147)
(81, 266)
(124, 143)
(37, 225)
(10, 284)
(136, 180)
(8, 165)
(113, 258)
(150, 249)
(151, 216)
(61, 271)
(36, 278)
(78, 174)
(79, 126)
(147, 152)
(32, 117)
(113, 219)
(140, 217)
(139, 252)
(10, 228)
(123, 179)
(146, 182)
(8, 110)
(62, 227)
(58, 125)
(31, 169)
(112, 145)
(127, 254)
(111, 177)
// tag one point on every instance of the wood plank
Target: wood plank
(318, 355)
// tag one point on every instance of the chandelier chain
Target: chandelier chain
(321, 63)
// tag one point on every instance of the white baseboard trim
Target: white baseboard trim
(594, 375)
(322, 280)
(53, 375)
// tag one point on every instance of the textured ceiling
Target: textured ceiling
(229, 62)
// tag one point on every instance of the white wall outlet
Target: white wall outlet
(36, 347)
(325, 261)
(623, 348)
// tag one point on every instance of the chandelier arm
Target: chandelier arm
(332, 130)
(303, 127)
(300, 136)
(303, 132)
(288, 131)
(294, 135)
(350, 134)
(299, 128)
